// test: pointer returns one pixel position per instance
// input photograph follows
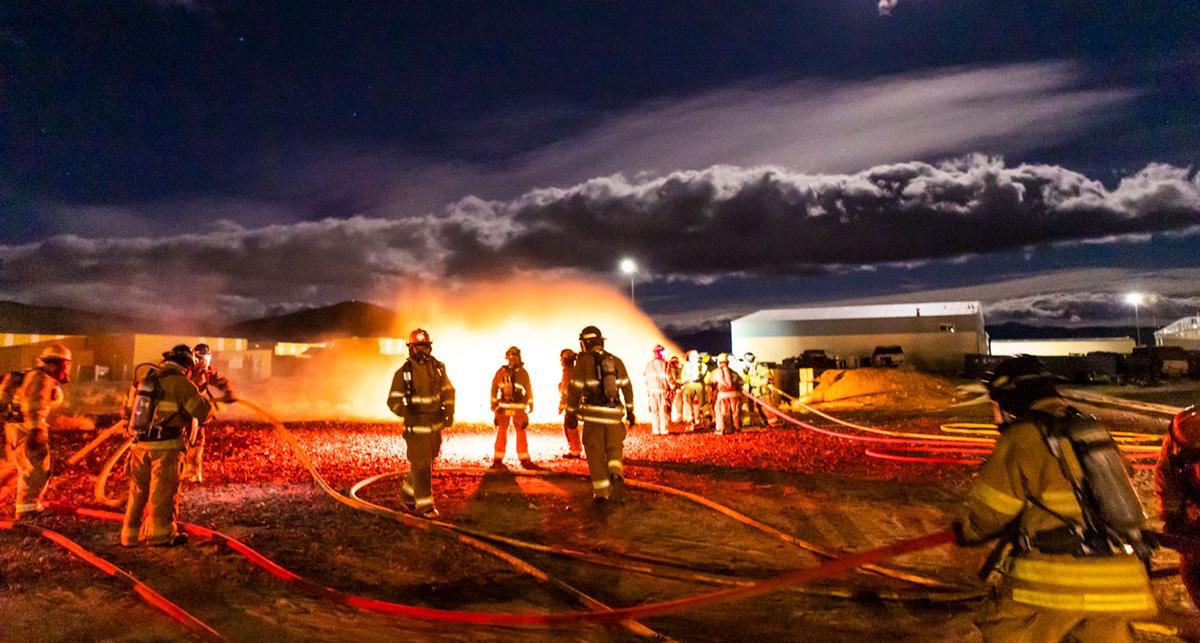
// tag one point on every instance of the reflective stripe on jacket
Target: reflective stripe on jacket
(658, 379)
(1020, 474)
(585, 386)
(38, 395)
(430, 402)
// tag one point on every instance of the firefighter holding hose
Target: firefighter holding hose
(423, 397)
(1056, 490)
(1177, 483)
(601, 395)
(512, 402)
(163, 407)
(205, 378)
(29, 397)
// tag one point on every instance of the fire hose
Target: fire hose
(828, 569)
(908, 444)
(147, 594)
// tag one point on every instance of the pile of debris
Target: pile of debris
(883, 388)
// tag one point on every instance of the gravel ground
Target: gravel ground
(818, 488)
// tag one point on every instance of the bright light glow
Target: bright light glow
(471, 327)
(1135, 298)
(628, 266)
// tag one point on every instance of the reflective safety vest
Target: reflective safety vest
(1022, 481)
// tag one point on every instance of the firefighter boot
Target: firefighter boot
(497, 465)
(530, 465)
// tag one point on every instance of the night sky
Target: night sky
(226, 160)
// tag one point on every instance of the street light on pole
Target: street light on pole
(1136, 299)
(629, 267)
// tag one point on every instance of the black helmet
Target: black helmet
(590, 337)
(201, 349)
(1020, 381)
(182, 355)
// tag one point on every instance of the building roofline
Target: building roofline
(871, 311)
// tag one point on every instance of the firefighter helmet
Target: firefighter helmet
(722, 358)
(419, 337)
(658, 348)
(1185, 430)
(748, 357)
(566, 353)
(201, 350)
(1020, 381)
(182, 355)
(55, 352)
(513, 350)
(590, 332)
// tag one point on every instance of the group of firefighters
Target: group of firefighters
(1054, 493)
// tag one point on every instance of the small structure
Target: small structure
(933, 336)
(1184, 333)
(1064, 347)
(113, 357)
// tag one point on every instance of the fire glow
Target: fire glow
(471, 327)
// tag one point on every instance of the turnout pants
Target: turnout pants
(660, 412)
(677, 405)
(1004, 620)
(29, 451)
(571, 430)
(693, 403)
(728, 412)
(520, 422)
(153, 503)
(604, 442)
(424, 444)
(193, 459)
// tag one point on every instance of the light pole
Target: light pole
(629, 267)
(1136, 299)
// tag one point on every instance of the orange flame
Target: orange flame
(471, 327)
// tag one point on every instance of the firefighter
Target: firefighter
(566, 358)
(34, 394)
(693, 391)
(422, 395)
(512, 402)
(205, 378)
(675, 372)
(727, 388)
(756, 375)
(1177, 483)
(160, 423)
(659, 389)
(1067, 575)
(600, 394)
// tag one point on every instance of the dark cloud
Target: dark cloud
(691, 225)
(772, 220)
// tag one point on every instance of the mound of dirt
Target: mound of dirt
(882, 387)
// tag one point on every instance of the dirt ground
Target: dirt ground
(818, 488)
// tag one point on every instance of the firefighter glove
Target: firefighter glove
(629, 417)
(529, 407)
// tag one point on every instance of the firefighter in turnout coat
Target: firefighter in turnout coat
(155, 459)
(27, 429)
(692, 375)
(512, 402)
(566, 358)
(601, 395)
(1177, 483)
(422, 395)
(660, 387)
(206, 379)
(1061, 579)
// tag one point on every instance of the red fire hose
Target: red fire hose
(151, 597)
(830, 568)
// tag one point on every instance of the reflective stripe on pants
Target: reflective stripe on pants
(603, 444)
(422, 449)
(660, 412)
(153, 494)
(29, 450)
(520, 421)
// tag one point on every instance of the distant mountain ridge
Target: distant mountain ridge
(347, 319)
(56, 320)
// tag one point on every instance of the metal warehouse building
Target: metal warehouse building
(934, 336)
(1184, 333)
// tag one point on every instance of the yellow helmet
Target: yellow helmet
(722, 358)
(55, 351)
